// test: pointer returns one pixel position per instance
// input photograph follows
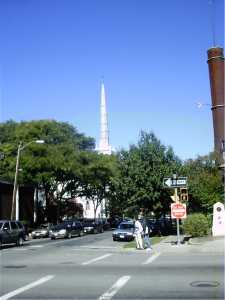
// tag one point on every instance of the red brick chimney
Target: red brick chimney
(216, 76)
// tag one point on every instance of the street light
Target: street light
(20, 148)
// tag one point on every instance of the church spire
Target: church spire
(104, 146)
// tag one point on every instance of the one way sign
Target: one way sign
(175, 182)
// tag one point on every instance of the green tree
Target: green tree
(53, 167)
(141, 172)
(205, 186)
(97, 175)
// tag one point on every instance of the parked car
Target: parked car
(124, 232)
(115, 221)
(93, 226)
(41, 232)
(12, 232)
(106, 224)
(67, 229)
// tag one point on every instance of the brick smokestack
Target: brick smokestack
(216, 76)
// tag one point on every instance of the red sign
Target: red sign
(178, 211)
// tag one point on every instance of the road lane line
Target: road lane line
(115, 288)
(36, 246)
(95, 259)
(151, 259)
(26, 287)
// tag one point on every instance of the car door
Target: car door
(6, 237)
(14, 231)
(74, 228)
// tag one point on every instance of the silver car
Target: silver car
(124, 232)
(41, 232)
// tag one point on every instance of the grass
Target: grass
(154, 240)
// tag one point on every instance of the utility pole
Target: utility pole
(15, 183)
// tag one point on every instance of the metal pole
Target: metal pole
(178, 225)
(15, 183)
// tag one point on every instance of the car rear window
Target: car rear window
(19, 225)
(126, 226)
(13, 225)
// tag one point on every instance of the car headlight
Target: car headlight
(62, 231)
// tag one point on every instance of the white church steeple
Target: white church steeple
(104, 146)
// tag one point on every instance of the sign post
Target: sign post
(178, 224)
(178, 210)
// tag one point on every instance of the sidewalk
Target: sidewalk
(204, 244)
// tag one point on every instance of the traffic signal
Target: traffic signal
(183, 194)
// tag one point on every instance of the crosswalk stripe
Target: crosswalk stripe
(26, 287)
(151, 259)
(95, 259)
(115, 288)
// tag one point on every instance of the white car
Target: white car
(41, 232)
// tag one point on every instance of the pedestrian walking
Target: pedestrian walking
(147, 241)
(138, 231)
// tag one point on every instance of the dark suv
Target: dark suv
(93, 226)
(12, 232)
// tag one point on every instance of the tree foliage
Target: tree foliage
(53, 166)
(205, 185)
(141, 172)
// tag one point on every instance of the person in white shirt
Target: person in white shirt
(138, 231)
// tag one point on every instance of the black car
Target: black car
(67, 229)
(12, 232)
(93, 226)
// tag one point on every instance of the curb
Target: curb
(191, 242)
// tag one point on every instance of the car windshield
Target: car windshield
(88, 222)
(61, 226)
(126, 226)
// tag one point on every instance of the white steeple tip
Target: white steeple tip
(104, 146)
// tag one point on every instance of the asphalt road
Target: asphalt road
(95, 267)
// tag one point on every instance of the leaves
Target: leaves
(141, 172)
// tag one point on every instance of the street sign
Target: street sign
(175, 198)
(178, 211)
(175, 182)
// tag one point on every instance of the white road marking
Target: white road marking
(26, 287)
(36, 246)
(151, 259)
(95, 259)
(96, 247)
(115, 288)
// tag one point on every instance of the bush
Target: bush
(196, 225)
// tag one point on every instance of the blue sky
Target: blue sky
(152, 55)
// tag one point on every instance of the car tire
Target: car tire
(81, 233)
(19, 241)
(114, 239)
(52, 238)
